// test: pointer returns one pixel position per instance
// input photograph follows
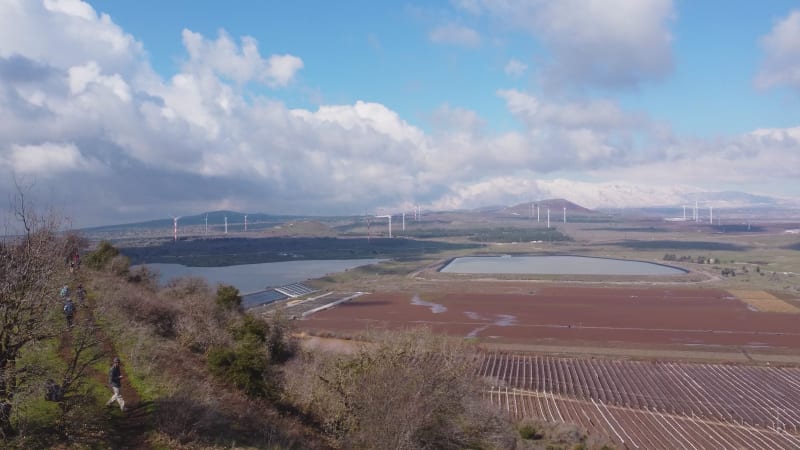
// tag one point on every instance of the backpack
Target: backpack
(69, 308)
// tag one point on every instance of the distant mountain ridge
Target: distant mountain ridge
(215, 219)
(669, 205)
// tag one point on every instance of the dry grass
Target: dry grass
(764, 301)
(399, 390)
(162, 336)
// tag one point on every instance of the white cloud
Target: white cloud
(594, 114)
(454, 34)
(606, 43)
(225, 58)
(80, 77)
(515, 68)
(49, 159)
(66, 33)
(781, 65)
(447, 119)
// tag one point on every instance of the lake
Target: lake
(255, 277)
(557, 265)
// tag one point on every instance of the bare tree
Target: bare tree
(31, 269)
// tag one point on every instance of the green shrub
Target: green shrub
(251, 329)
(245, 367)
(228, 298)
(104, 253)
(528, 431)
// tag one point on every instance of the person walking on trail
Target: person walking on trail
(115, 381)
(69, 311)
(80, 292)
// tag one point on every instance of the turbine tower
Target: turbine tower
(206, 224)
(548, 217)
(175, 228)
(565, 214)
(226, 224)
(404, 221)
(711, 214)
(245, 222)
(388, 216)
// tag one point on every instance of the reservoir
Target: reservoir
(556, 265)
(255, 277)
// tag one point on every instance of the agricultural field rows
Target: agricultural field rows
(653, 404)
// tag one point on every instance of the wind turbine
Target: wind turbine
(388, 216)
(369, 228)
(175, 227)
(226, 224)
(548, 217)
(206, 224)
(245, 222)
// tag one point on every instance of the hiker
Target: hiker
(64, 291)
(115, 381)
(81, 293)
(69, 311)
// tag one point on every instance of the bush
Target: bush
(409, 390)
(144, 276)
(101, 256)
(228, 298)
(120, 265)
(275, 335)
(245, 367)
(528, 431)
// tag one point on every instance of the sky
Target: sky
(115, 111)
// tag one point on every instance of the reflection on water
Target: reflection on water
(255, 277)
(556, 265)
(501, 320)
(435, 307)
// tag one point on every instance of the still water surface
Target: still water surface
(255, 277)
(557, 265)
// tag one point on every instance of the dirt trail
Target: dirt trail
(128, 429)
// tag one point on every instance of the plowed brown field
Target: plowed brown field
(672, 317)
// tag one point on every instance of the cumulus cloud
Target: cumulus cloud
(611, 43)
(64, 33)
(454, 34)
(49, 159)
(781, 65)
(240, 63)
(593, 114)
(515, 68)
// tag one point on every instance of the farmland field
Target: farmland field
(666, 317)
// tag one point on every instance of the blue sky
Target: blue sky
(340, 107)
(383, 53)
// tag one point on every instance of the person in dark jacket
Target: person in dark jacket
(115, 381)
(69, 311)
